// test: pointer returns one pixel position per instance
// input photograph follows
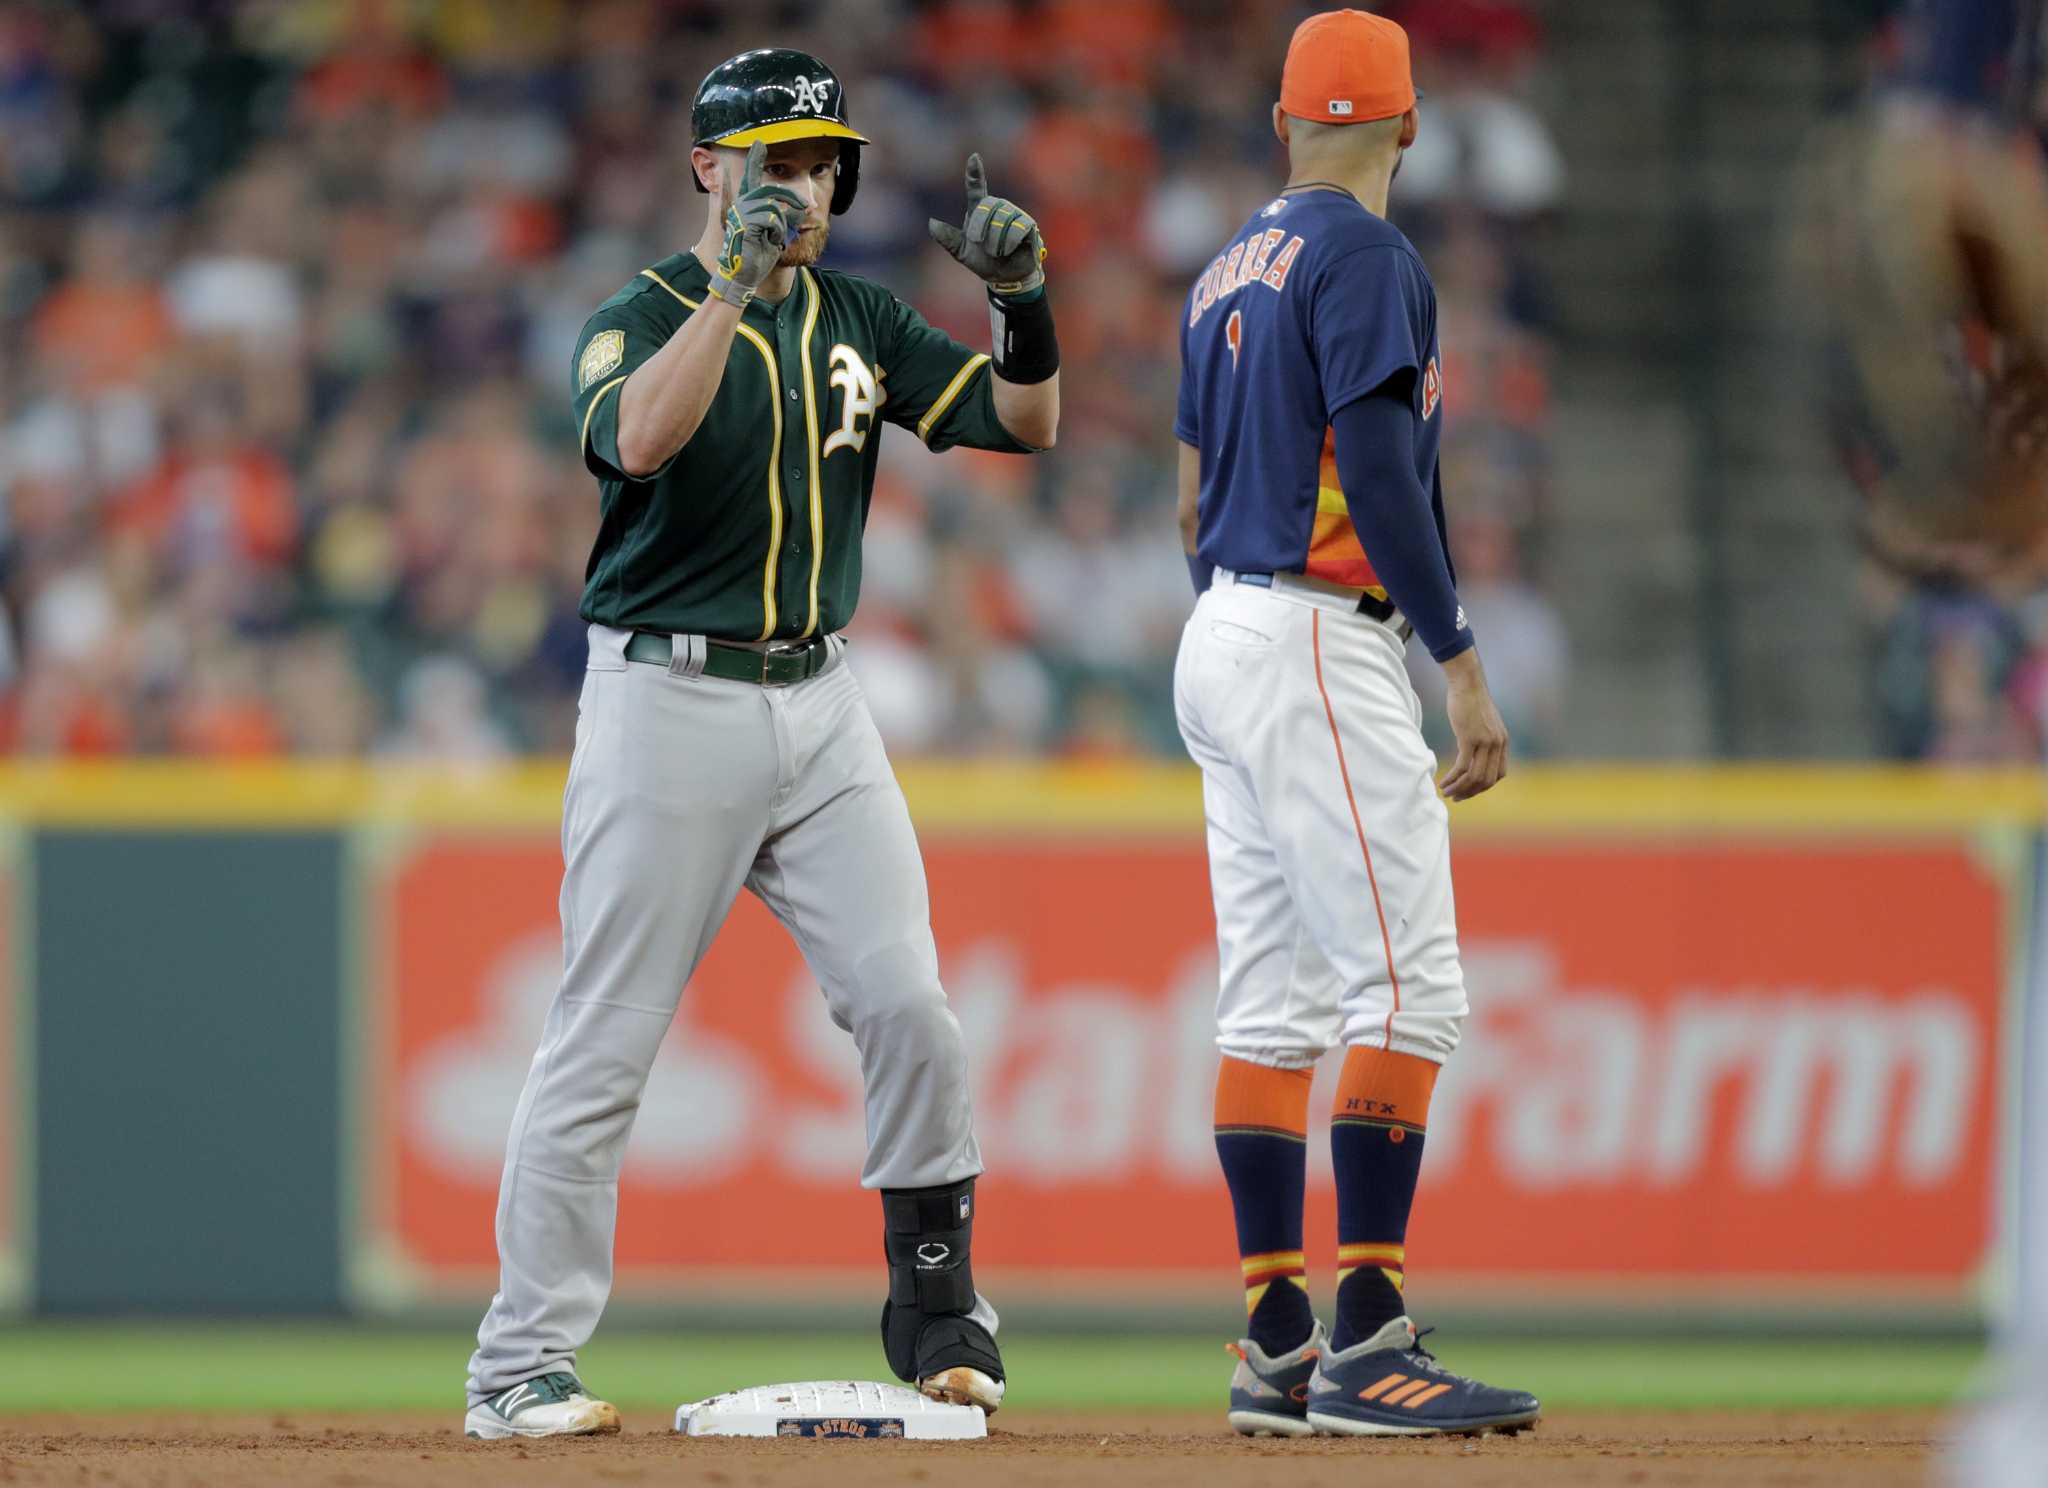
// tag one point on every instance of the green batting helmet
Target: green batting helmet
(775, 94)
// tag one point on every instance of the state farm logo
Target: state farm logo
(1838, 1087)
(1557, 1086)
(459, 1092)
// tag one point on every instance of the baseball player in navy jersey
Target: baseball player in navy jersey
(1311, 405)
(729, 402)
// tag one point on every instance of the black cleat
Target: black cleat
(957, 1361)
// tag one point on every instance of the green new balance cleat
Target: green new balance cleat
(552, 1405)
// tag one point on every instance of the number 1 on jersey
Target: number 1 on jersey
(1233, 332)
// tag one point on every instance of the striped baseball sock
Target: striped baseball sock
(1376, 1140)
(1262, 1141)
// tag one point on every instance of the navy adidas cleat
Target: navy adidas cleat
(1390, 1385)
(1269, 1392)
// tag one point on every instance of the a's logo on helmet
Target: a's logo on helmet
(813, 96)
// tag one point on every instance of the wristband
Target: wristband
(732, 294)
(1020, 327)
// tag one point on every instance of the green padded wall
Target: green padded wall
(187, 1088)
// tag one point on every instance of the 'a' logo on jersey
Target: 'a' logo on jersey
(860, 396)
(812, 96)
(1432, 388)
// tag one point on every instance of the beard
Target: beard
(807, 249)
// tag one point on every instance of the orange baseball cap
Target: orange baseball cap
(1347, 67)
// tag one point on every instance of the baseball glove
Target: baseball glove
(999, 241)
(759, 225)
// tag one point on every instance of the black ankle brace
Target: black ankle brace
(926, 1235)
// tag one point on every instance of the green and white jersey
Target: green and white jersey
(752, 531)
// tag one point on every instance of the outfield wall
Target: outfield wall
(1737, 1034)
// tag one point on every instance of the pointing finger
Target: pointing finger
(1015, 231)
(978, 220)
(757, 155)
(977, 180)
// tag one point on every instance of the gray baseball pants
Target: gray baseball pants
(682, 790)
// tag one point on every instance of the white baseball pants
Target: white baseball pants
(1329, 848)
(682, 790)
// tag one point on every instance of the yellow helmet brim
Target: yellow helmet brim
(788, 129)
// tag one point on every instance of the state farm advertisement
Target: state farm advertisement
(1726, 1063)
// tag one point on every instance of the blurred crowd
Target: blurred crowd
(1957, 632)
(1961, 674)
(288, 292)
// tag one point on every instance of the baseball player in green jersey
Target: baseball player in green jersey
(728, 401)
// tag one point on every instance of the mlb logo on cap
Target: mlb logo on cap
(1347, 67)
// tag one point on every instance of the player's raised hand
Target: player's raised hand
(759, 225)
(998, 240)
(1476, 723)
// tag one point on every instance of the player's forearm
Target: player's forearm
(1025, 352)
(1394, 520)
(1465, 669)
(1000, 244)
(664, 401)
(1030, 412)
(1188, 504)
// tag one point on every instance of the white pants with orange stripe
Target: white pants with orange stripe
(1329, 848)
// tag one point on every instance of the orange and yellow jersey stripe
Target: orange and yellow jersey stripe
(1334, 551)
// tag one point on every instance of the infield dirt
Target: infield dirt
(1170, 1450)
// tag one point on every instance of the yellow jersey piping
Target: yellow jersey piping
(760, 344)
(811, 427)
(591, 412)
(945, 399)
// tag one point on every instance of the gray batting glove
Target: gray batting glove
(999, 241)
(759, 226)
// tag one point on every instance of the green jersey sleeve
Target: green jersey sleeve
(939, 389)
(615, 341)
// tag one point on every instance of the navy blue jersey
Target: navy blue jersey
(1316, 302)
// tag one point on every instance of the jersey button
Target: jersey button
(792, 395)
